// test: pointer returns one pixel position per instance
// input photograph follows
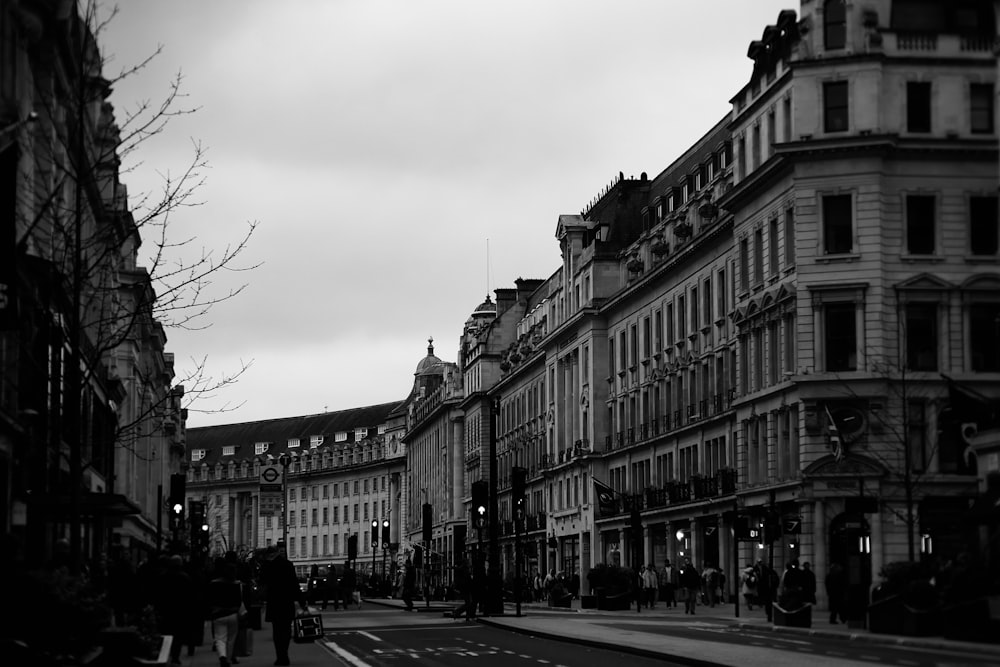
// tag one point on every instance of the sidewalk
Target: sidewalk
(591, 627)
(311, 654)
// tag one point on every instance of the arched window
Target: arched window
(834, 24)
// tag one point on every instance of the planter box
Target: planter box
(921, 622)
(795, 618)
(563, 601)
(619, 602)
(588, 602)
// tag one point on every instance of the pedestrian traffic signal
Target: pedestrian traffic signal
(352, 547)
(175, 501)
(480, 501)
(385, 533)
(428, 522)
(176, 521)
(518, 489)
(374, 533)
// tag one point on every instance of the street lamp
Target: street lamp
(285, 460)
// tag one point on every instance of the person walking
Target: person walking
(690, 581)
(409, 583)
(282, 594)
(225, 599)
(668, 584)
(766, 585)
(808, 583)
(748, 585)
(836, 592)
(331, 588)
(649, 584)
(710, 580)
(174, 593)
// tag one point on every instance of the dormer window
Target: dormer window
(229, 450)
(260, 447)
(341, 436)
(293, 443)
(197, 454)
(315, 441)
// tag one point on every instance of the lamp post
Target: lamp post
(285, 460)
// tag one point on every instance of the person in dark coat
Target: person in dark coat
(836, 592)
(332, 588)
(224, 597)
(808, 583)
(282, 594)
(690, 581)
(409, 583)
(174, 592)
(347, 585)
(766, 586)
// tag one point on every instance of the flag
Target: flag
(833, 432)
(606, 504)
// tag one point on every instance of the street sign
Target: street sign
(792, 525)
(710, 530)
(270, 503)
(271, 478)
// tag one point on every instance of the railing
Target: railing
(674, 492)
(916, 41)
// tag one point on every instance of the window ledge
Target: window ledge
(789, 270)
(912, 259)
(982, 259)
(843, 257)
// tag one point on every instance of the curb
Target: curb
(884, 640)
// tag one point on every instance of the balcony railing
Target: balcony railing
(675, 492)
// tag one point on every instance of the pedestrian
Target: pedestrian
(331, 588)
(668, 584)
(538, 587)
(574, 584)
(766, 585)
(173, 596)
(690, 581)
(224, 597)
(748, 585)
(283, 593)
(347, 585)
(808, 583)
(836, 592)
(122, 588)
(710, 581)
(649, 584)
(549, 582)
(409, 583)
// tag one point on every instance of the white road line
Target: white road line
(369, 635)
(344, 655)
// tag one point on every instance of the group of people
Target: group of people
(685, 583)
(554, 585)
(342, 590)
(761, 585)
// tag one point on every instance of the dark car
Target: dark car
(319, 587)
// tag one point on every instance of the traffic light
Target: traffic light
(480, 501)
(199, 525)
(374, 533)
(772, 527)
(352, 547)
(518, 488)
(385, 533)
(741, 528)
(428, 521)
(176, 501)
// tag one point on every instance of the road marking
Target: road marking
(907, 662)
(349, 657)
(369, 635)
(873, 658)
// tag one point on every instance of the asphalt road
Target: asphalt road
(389, 638)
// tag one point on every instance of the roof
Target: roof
(278, 431)
(429, 365)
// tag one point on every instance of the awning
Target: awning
(90, 504)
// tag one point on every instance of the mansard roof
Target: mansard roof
(279, 431)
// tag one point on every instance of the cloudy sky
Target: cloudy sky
(384, 145)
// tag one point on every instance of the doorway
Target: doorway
(850, 546)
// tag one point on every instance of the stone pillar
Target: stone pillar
(819, 563)
(877, 546)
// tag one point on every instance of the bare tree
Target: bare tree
(76, 218)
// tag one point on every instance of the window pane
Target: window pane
(983, 225)
(837, 224)
(840, 337)
(920, 224)
(984, 326)
(835, 106)
(918, 106)
(921, 336)
(834, 24)
(981, 95)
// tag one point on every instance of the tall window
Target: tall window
(920, 224)
(983, 225)
(840, 337)
(835, 106)
(981, 112)
(758, 256)
(681, 317)
(983, 319)
(744, 263)
(755, 147)
(694, 310)
(786, 113)
(918, 106)
(771, 130)
(837, 224)
(789, 237)
(772, 243)
(742, 152)
(921, 337)
(834, 24)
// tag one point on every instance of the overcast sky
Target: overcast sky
(384, 145)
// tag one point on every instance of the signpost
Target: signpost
(272, 478)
